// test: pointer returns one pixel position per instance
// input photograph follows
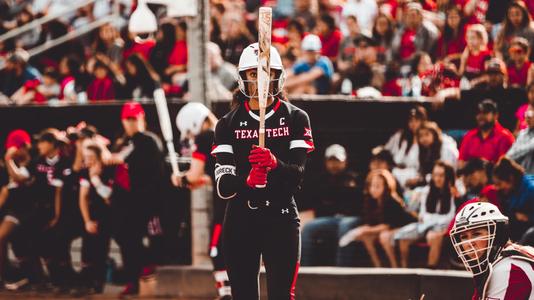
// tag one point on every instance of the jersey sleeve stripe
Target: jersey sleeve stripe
(223, 149)
(84, 182)
(301, 144)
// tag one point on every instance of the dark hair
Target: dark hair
(381, 154)
(441, 196)
(416, 60)
(474, 165)
(388, 37)
(360, 75)
(145, 77)
(329, 21)
(52, 73)
(507, 28)
(449, 33)
(508, 170)
(96, 150)
(373, 209)
(297, 25)
(429, 155)
(417, 112)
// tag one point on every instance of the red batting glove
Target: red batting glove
(262, 157)
(257, 177)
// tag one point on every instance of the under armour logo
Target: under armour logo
(285, 211)
(243, 123)
(267, 203)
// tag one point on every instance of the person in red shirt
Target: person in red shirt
(452, 42)
(102, 86)
(490, 141)
(475, 55)
(519, 65)
(330, 36)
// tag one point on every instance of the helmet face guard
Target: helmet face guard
(476, 260)
(276, 85)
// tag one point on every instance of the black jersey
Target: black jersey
(48, 175)
(145, 162)
(4, 177)
(202, 149)
(286, 128)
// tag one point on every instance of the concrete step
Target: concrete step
(318, 283)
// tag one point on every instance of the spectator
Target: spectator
(413, 35)
(141, 79)
(522, 151)
(383, 212)
(95, 205)
(312, 74)
(223, 74)
(436, 210)
(236, 37)
(335, 197)
(519, 66)
(475, 55)
(169, 55)
(404, 148)
(475, 176)
(420, 65)
(490, 141)
(434, 146)
(517, 23)
(365, 12)
(17, 72)
(360, 77)
(347, 48)
(102, 86)
(520, 113)
(72, 78)
(451, 43)
(475, 10)
(516, 191)
(383, 33)
(381, 159)
(330, 36)
(295, 34)
(37, 92)
(109, 43)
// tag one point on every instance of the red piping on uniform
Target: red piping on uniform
(276, 106)
(519, 286)
(216, 235)
(199, 156)
(294, 283)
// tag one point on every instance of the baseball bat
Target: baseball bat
(264, 67)
(166, 128)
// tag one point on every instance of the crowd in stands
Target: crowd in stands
(366, 48)
(416, 182)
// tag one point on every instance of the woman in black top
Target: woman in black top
(261, 222)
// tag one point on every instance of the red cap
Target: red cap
(132, 110)
(18, 138)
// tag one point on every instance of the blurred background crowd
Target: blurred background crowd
(393, 212)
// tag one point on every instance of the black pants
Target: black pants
(271, 233)
(95, 248)
(130, 218)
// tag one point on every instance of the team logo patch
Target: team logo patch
(307, 132)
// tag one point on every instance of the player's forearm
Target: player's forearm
(292, 172)
(227, 182)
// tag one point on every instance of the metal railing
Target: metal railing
(74, 34)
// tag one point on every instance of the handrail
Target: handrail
(38, 22)
(71, 35)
